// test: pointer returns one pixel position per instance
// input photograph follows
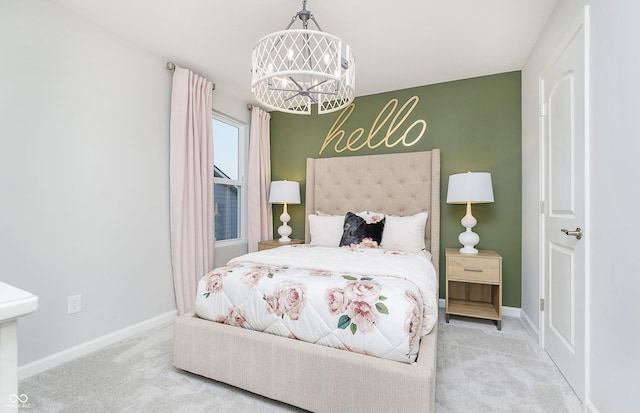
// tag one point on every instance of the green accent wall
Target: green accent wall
(476, 123)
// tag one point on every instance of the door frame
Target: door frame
(581, 23)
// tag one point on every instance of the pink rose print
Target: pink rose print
(360, 302)
(321, 273)
(235, 318)
(336, 300)
(214, 280)
(251, 278)
(412, 321)
(365, 243)
(363, 315)
(272, 305)
(373, 218)
(214, 283)
(362, 290)
(287, 299)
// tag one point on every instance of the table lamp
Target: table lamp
(284, 192)
(469, 188)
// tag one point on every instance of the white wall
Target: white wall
(84, 149)
(615, 149)
(615, 145)
(84, 176)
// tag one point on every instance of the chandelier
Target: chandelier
(293, 69)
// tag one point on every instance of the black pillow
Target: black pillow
(355, 229)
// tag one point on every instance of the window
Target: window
(228, 178)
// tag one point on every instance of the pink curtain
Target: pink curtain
(191, 184)
(259, 178)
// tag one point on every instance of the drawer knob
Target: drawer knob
(474, 269)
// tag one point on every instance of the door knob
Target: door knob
(577, 233)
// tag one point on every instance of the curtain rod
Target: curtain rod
(172, 66)
(251, 106)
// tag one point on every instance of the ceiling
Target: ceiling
(397, 44)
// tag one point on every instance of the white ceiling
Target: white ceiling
(397, 43)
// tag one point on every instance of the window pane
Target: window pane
(227, 209)
(225, 150)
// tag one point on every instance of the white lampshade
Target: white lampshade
(474, 187)
(469, 188)
(284, 192)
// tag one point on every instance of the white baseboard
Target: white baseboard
(508, 311)
(590, 408)
(43, 364)
(530, 325)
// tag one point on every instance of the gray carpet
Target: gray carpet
(479, 370)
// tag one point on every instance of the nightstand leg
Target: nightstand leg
(446, 317)
(499, 323)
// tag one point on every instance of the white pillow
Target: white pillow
(404, 233)
(325, 230)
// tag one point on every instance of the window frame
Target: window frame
(243, 154)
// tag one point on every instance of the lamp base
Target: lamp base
(468, 238)
(285, 230)
(468, 250)
(284, 237)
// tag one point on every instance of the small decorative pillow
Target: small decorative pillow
(405, 233)
(325, 230)
(356, 229)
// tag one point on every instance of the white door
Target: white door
(564, 96)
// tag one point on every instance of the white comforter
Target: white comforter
(372, 301)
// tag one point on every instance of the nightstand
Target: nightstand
(274, 243)
(474, 285)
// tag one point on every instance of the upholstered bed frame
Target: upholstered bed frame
(314, 377)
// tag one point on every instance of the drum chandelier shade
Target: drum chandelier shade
(293, 69)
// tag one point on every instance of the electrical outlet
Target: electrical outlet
(74, 304)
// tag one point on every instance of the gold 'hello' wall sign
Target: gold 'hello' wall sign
(388, 118)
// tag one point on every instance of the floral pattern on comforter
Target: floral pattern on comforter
(371, 301)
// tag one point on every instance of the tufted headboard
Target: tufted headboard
(397, 184)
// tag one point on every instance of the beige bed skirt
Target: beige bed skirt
(312, 377)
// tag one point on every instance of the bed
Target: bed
(314, 377)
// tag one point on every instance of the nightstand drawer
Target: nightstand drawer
(474, 269)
